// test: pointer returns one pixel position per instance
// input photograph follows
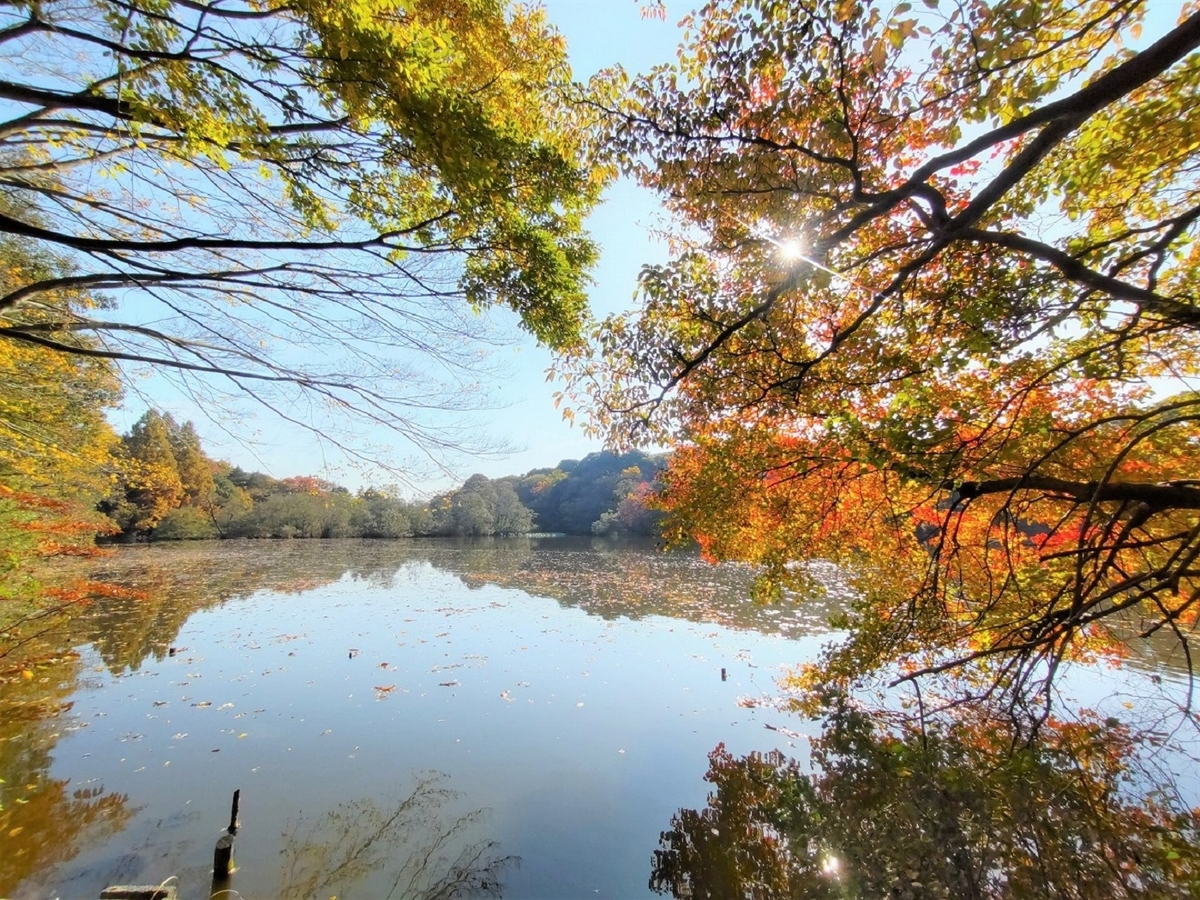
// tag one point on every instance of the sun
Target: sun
(791, 250)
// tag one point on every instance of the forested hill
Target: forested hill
(603, 493)
(170, 489)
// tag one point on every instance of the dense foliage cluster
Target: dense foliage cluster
(603, 493)
(932, 313)
(56, 456)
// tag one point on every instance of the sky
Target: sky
(523, 416)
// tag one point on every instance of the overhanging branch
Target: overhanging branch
(1157, 495)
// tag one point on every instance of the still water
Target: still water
(403, 719)
(396, 715)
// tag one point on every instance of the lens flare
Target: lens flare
(792, 249)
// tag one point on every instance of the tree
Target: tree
(152, 484)
(379, 514)
(472, 508)
(195, 468)
(932, 313)
(256, 485)
(257, 183)
(578, 493)
(56, 463)
(301, 515)
(186, 523)
(54, 439)
(230, 502)
(512, 516)
(632, 513)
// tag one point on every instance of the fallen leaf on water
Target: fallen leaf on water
(782, 730)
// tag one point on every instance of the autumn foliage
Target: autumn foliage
(56, 462)
(931, 313)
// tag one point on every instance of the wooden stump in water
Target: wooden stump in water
(223, 857)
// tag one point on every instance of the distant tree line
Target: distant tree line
(603, 493)
(170, 489)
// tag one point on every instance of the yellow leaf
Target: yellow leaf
(879, 54)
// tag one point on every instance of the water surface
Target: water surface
(405, 719)
(395, 714)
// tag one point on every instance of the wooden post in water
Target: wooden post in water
(223, 857)
(223, 852)
(233, 823)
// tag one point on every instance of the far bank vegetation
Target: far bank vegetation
(172, 490)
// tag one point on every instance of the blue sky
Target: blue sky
(599, 33)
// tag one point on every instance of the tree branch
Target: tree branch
(1157, 495)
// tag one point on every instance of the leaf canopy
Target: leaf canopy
(933, 314)
(304, 202)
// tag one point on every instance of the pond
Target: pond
(517, 718)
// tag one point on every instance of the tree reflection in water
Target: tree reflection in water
(44, 821)
(410, 849)
(954, 810)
